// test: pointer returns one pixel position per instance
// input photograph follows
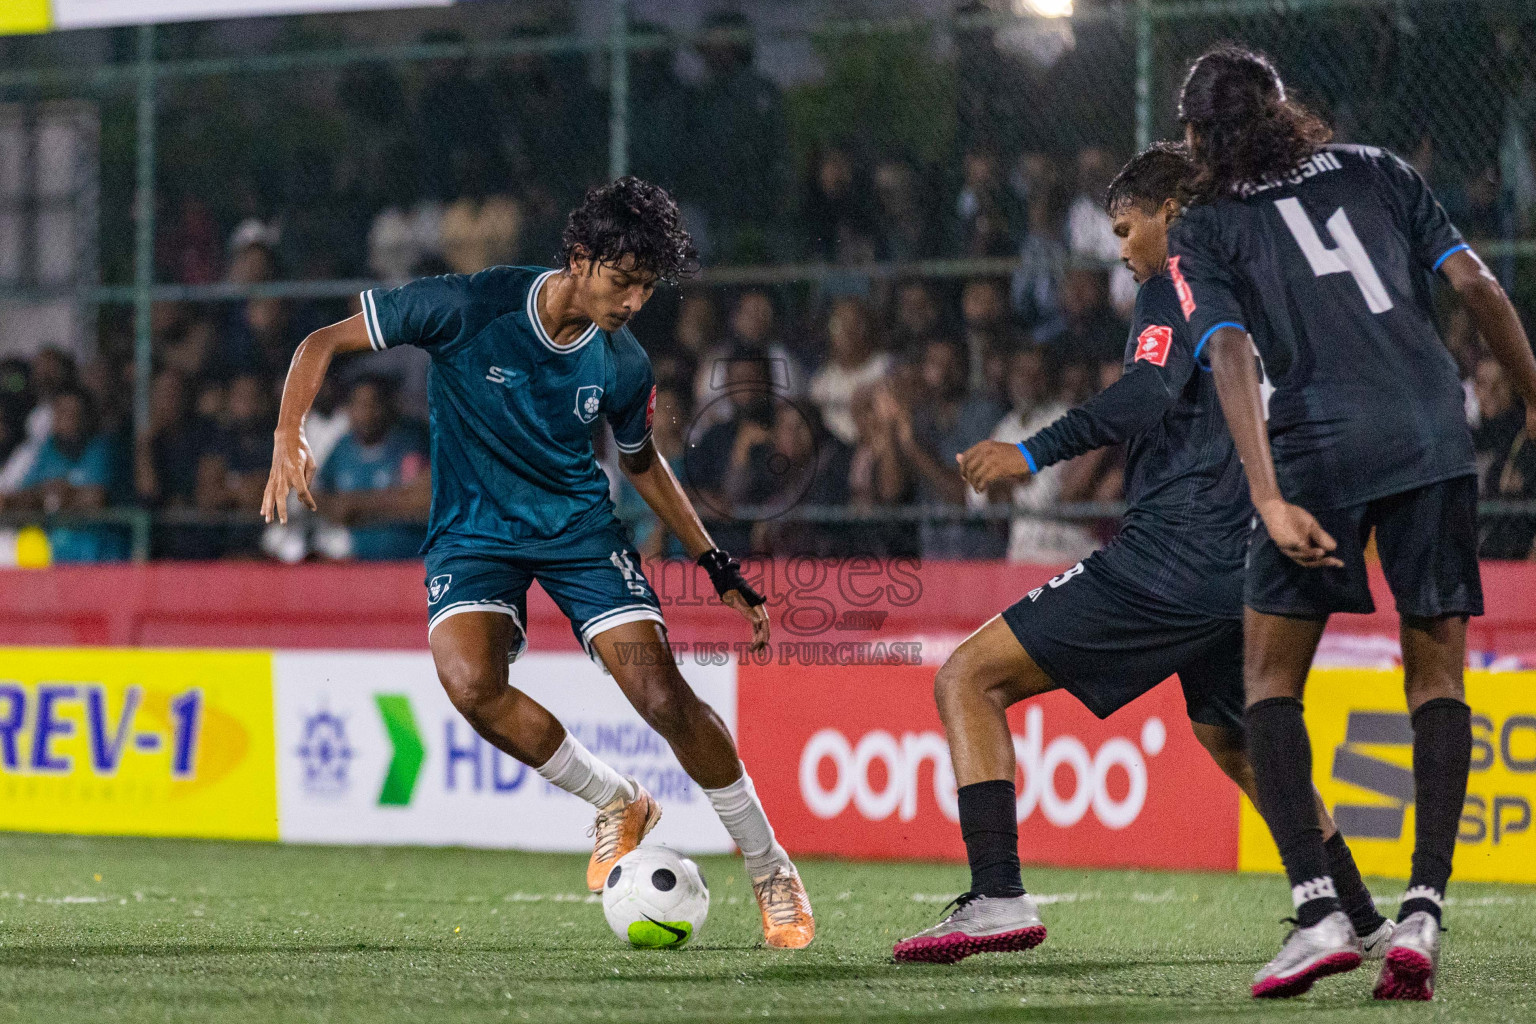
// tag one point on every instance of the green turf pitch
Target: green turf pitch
(159, 930)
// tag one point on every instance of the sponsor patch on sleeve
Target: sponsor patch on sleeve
(1154, 344)
(650, 409)
(1186, 297)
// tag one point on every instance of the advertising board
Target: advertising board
(851, 761)
(1362, 763)
(41, 15)
(137, 742)
(369, 750)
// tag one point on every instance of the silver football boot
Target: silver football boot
(979, 924)
(1328, 947)
(1374, 946)
(1411, 959)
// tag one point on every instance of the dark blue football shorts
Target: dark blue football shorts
(1107, 644)
(1427, 540)
(598, 585)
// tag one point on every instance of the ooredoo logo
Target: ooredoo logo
(901, 759)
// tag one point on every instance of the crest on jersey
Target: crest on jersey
(589, 400)
(1153, 345)
(437, 586)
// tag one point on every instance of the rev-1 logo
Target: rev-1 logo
(55, 714)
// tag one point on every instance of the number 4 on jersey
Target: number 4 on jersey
(1349, 258)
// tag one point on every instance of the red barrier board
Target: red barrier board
(384, 606)
(852, 762)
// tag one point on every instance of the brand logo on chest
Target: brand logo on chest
(589, 400)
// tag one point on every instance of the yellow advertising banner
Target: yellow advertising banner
(1362, 762)
(130, 742)
(23, 16)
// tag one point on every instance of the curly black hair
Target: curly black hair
(1246, 130)
(1153, 176)
(630, 217)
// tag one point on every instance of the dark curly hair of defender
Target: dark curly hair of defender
(630, 217)
(1246, 130)
(1156, 174)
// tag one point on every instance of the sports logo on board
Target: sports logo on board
(325, 753)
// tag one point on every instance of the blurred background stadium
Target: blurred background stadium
(897, 203)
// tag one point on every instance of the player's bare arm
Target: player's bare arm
(1496, 320)
(293, 464)
(1292, 527)
(656, 483)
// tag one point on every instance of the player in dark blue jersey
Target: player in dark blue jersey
(1325, 255)
(525, 361)
(1163, 598)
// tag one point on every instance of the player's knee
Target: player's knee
(962, 677)
(948, 684)
(471, 683)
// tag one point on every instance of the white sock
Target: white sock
(575, 770)
(742, 815)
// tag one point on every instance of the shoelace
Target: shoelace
(1295, 927)
(781, 899)
(607, 828)
(960, 902)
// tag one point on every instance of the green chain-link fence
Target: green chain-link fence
(819, 148)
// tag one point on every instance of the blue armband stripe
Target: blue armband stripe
(1028, 458)
(1214, 328)
(1453, 250)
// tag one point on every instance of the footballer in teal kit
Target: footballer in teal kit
(525, 362)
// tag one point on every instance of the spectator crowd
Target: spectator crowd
(828, 428)
(846, 393)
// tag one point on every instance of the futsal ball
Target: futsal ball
(655, 897)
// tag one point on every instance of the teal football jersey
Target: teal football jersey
(512, 413)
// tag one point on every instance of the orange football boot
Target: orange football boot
(618, 829)
(787, 920)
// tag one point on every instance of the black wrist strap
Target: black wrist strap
(725, 573)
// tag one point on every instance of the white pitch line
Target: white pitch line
(1041, 898)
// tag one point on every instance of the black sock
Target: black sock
(990, 826)
(1281, 754)
(1442, 755)
(1353, 895)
